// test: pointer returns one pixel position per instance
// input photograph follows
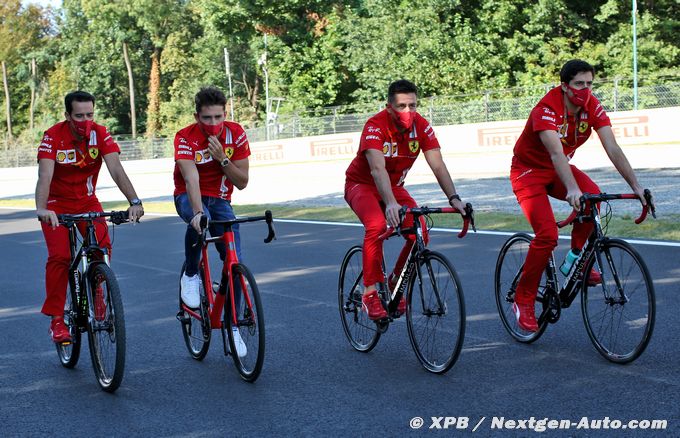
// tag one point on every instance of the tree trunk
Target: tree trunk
(7, 104)
(131, 82)
(34, 82)
(256, 90)
(152, 114)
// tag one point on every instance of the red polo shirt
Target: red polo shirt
(400, 149)
(192, 144)
(550, 115)
(77, 162)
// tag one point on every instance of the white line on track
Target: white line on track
(443, 230)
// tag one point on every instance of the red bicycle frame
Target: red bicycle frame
(216, 299)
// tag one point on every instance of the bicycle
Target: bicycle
(436, 300)
(94, 303)
(242, 306)
(626, 286)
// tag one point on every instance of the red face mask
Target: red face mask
(83, 127)
(579, 97)
(210, 130)
(405, 119)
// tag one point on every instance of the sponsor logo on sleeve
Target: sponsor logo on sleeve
(372, 137)
(183, 146)
(429, 131)
(413, 146)
(373, 129)
(190, 153)
(229, 152)
(583, 126)
(241, 140)
(550, 119)
(94, 152)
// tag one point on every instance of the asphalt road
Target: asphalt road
(313, 383)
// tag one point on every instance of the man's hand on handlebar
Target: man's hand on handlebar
(392, 215)
(49, 216)
(458, 205)
(196, 222)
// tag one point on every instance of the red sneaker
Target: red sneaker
(373, 306)
(594, 278)
(99, 304)
(392, 283)
(58, 330)
(526, 319)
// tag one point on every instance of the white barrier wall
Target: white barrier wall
(307, 167)
(630, 128)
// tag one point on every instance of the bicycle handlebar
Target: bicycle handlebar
(578, 215)
(116, 217)
(468, 219)
(268, 218)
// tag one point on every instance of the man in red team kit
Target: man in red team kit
(560, 123)
(374, 186)
(69, 159)
(211, 157)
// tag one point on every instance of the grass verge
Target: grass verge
(664, 228)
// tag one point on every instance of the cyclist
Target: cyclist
(70, 156)
(561, 122)
(211, 157)
(374, 187)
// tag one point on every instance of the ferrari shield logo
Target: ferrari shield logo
(582, 127)
(229, 152)
(413, 146)
(94, 153)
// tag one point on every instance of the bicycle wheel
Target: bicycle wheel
(196, 325)
(361, 332)
(106, 327)
(435, 313)
(250, 325)
(619, 313)
(70, 353)
(508, 269)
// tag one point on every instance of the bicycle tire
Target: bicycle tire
(251, 326)
(631, 320)
(196, 332)
(361, 332)
(106, 334)
(70, 353)
(508, 266)
(437, 299)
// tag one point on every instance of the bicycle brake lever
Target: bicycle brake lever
(650, 202)
(270, 224)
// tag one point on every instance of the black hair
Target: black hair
(209, 96)
(77, 96)
(574, 67)
(399, 87)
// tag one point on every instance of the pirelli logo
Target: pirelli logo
(266, 153)
(505, 136)
(630, 126)
(338, 147)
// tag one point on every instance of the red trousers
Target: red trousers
(366, 202)
(59, 253)
(532, 188)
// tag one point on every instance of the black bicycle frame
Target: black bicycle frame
(78, 256)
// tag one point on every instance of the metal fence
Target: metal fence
(489, 106)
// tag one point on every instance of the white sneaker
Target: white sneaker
(190, 290)
(241, 348)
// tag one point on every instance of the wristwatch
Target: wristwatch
(454, 196)
(225, 162)
(135, 201)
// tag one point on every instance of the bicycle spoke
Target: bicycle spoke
(619, 313)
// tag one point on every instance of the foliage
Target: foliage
(319, 52)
